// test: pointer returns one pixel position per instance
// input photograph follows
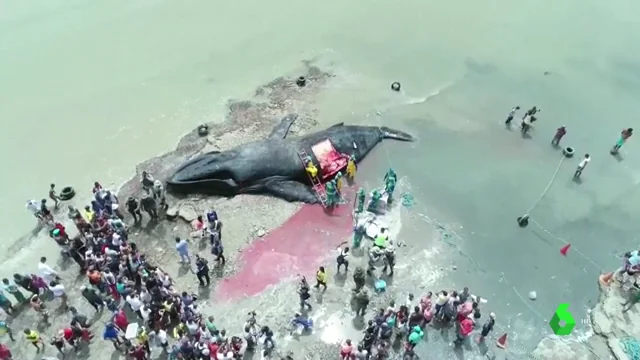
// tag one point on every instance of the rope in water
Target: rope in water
(445, 236)
(555, 174)
(631, 346)
(567, 242)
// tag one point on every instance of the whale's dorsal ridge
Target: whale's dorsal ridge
(336, 125)
(281, 130)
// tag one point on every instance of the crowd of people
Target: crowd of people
(145, 308)
(147, 311)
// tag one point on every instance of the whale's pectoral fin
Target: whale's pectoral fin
(292, 191)
(282, 129)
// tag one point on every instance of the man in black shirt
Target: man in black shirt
(133, 208)
(148, 204)
(202, 271)
(93, 298)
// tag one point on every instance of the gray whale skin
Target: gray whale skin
(273, 166)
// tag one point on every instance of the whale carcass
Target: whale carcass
(274, 165)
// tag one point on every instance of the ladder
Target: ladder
(317, 185)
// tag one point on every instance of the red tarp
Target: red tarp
(331, 161)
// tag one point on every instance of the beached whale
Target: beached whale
(274, 166)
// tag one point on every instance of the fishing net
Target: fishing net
(631, 346)
(407, 200)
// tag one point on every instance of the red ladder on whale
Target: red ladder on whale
(317, 185)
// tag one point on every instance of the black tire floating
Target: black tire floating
(395, 86)
(523, 221)
(568, 151)
(301, 81)
(67, 193)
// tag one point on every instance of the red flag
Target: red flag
(565, 249)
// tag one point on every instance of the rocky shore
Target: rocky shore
(610, 326)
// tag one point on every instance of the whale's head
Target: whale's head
(206, 173)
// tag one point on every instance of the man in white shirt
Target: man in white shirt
(145, 311)
(46, 272)
(59, 292)
(135, 303)
(581, 166)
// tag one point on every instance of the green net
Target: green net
(631, 346)
(407, 200)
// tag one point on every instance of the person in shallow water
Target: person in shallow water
(583, 164)
(511, 114)
(560, 133)
(624, 136)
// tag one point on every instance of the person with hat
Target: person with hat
(487, 327)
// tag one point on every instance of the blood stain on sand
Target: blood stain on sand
(299, 246)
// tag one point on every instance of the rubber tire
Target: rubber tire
(523, 221)
(568, 151)
(301, 81)
(396, 86)
(67, 193)
(203, 130)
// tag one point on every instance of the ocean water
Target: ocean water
(89, 89)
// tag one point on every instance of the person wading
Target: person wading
(511, 114)
(560, 133)
(624, 136)
(583, 164)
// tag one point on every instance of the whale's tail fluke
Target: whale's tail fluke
(395, 134)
